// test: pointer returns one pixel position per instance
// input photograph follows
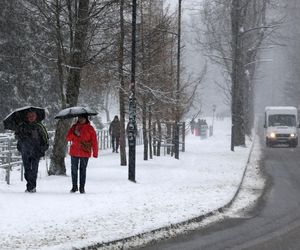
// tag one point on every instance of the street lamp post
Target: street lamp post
(132, 102)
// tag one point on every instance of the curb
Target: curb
(242, 179)
(167, 231)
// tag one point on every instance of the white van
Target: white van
(281, 125)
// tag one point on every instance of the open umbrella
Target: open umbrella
(13, 120)
(74, 112)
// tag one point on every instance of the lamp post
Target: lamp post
(131, 131)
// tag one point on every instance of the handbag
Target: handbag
(86, 146)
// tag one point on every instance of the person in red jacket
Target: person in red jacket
(84, 144)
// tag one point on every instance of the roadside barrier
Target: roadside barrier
(9, 156)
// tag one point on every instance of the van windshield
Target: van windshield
(282, 120)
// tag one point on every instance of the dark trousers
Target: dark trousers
(115, 143)
(82, 162)
(31, 165)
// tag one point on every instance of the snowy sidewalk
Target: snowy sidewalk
(167, 191)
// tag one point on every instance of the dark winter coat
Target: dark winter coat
(114, 128)
(33, 139)
(84, 141)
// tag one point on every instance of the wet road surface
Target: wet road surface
(273, 224)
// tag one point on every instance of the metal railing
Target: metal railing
(104, 139)
(9, 156)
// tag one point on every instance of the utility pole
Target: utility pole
(132, 102)
(177, 119)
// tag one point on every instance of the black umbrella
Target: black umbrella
(75, 112)
(13, 120)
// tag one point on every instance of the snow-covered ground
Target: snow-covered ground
(167, 191)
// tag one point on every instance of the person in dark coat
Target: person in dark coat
(114, 131)
(33, 141)
(192, 124)
(84, 144)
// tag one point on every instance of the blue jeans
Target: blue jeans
(115, 143)
(82, 162)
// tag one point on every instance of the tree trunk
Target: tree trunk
(143, 77)
(177, 120)
(59, 51)
(237, 91)
(247, 107)
(57, 165)
(106, 104)
(150, 133)
(159, 136)
(169, 136)
(183, 137)
(173, 138)
(123, 159)
(107, 114)
(145, 136)
(154, 138)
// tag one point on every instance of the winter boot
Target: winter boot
(30, 191)
(81, 190)
(74, 189)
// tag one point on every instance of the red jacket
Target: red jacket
(84, 142)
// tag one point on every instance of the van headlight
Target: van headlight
(292, 135)
(272, 135)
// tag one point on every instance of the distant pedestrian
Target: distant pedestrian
(197, 127)
(84, 144)
(114, 131)
(32, 143)
(192, 124)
